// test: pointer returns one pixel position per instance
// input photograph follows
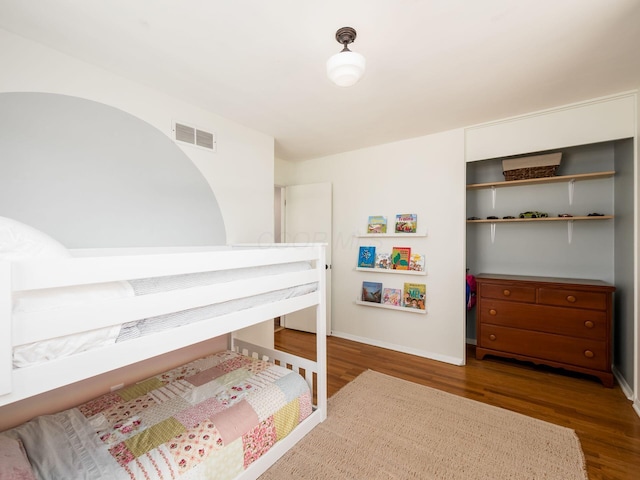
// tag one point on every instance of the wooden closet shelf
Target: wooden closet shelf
(547, 219)
(533, 181)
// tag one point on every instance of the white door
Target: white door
(307, 219)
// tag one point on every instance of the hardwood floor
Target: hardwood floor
(607, 425)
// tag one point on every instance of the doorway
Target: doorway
(304, 215)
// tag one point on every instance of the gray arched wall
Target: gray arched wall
(91, 175)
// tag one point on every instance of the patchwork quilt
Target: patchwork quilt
(208, 419)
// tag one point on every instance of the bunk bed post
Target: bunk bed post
(321, 333)
(6, 342)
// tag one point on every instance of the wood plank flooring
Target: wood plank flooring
(607, 425)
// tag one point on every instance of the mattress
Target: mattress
(52, 299)
(211, 418)
(179, 282)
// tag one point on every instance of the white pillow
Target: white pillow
(21, 242)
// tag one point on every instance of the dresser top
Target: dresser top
(533, 279)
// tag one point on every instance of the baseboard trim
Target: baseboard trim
(624, 386)
(400, 348)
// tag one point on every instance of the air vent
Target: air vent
(204, 139)
(194, 136)
(185, 134)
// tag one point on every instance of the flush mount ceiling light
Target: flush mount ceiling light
(346, 67)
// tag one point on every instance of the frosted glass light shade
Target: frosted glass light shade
(345, 68)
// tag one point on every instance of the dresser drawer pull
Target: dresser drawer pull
(589, 354)
(492, 337)
(588, 324)
(493, 312)
(506, 292)
(571, 299)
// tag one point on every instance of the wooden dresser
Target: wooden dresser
(560, 322)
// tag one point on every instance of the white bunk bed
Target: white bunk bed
(102, 267)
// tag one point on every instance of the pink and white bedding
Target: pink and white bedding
(211, 418)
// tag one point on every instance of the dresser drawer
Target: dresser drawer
(561, 322)
(514, 293)
(545, 346)
(572, 298)
(591, 324)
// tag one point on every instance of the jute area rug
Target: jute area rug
(381, 427)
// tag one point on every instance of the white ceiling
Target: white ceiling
(432, 65)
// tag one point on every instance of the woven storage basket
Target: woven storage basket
(538, 166)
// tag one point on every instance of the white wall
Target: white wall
(425, 176)
(284, 172)
(245, 200)
(596, 120)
